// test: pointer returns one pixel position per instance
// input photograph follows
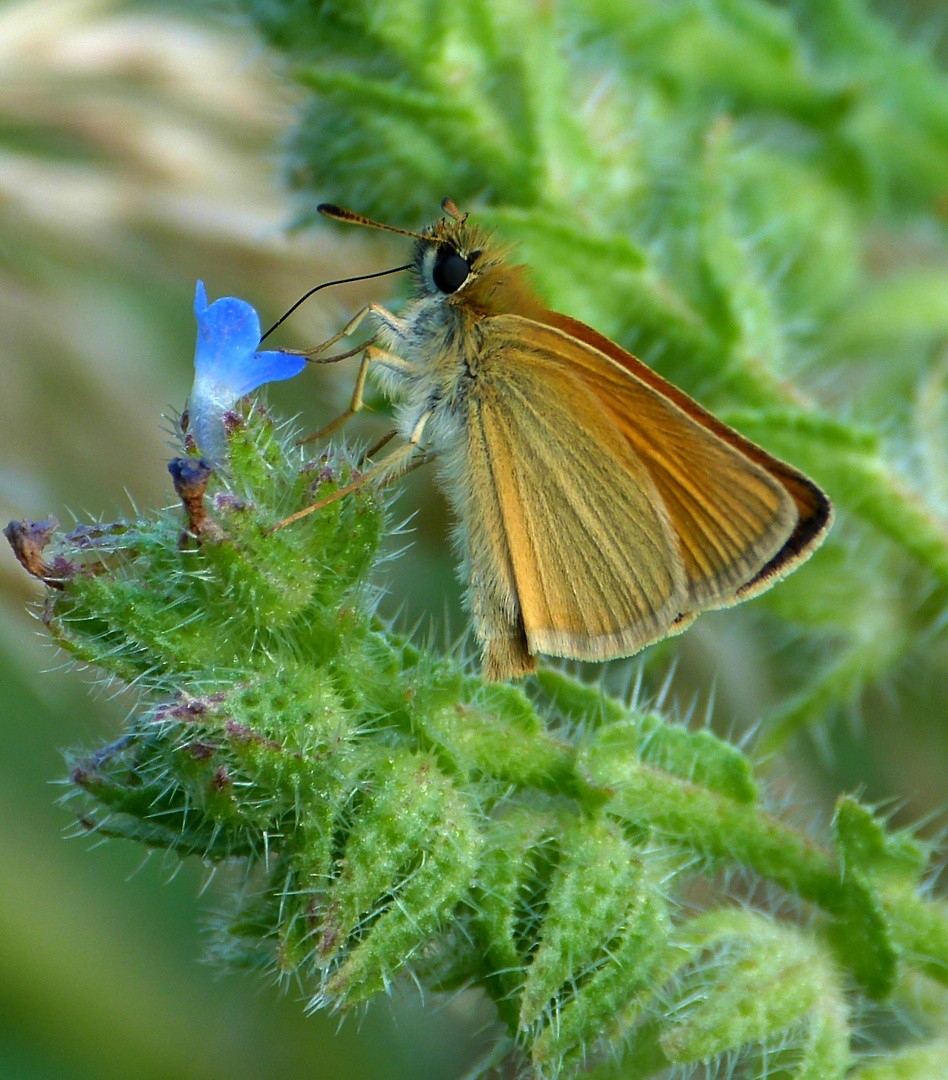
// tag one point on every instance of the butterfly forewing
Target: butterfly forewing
(814, 510)
(729, 515)
(592, 551)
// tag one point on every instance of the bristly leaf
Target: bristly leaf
(390, 812)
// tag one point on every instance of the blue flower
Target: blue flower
(227, 366)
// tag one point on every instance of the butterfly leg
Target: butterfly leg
(354, 405)
(396, 464)
(398, 327)
(375, 447)
(351, 326)
(369, 352)
(399, 461)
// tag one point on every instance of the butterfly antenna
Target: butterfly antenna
(337, 213)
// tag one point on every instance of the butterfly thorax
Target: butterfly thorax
(462, 280)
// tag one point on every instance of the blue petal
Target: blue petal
(227, 366)
(228, 335)
(264, 367)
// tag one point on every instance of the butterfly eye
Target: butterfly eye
(450, 272)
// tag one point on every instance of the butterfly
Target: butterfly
(599, 508)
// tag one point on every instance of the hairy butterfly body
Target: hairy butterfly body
(599, 507)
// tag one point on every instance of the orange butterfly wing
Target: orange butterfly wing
(815, 512)
(619, 512)
(586, 542)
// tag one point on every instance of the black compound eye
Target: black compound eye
(450, 272)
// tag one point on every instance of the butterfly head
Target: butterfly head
(456, 262)
(451, 258)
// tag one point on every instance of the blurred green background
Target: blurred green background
(139, 150)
